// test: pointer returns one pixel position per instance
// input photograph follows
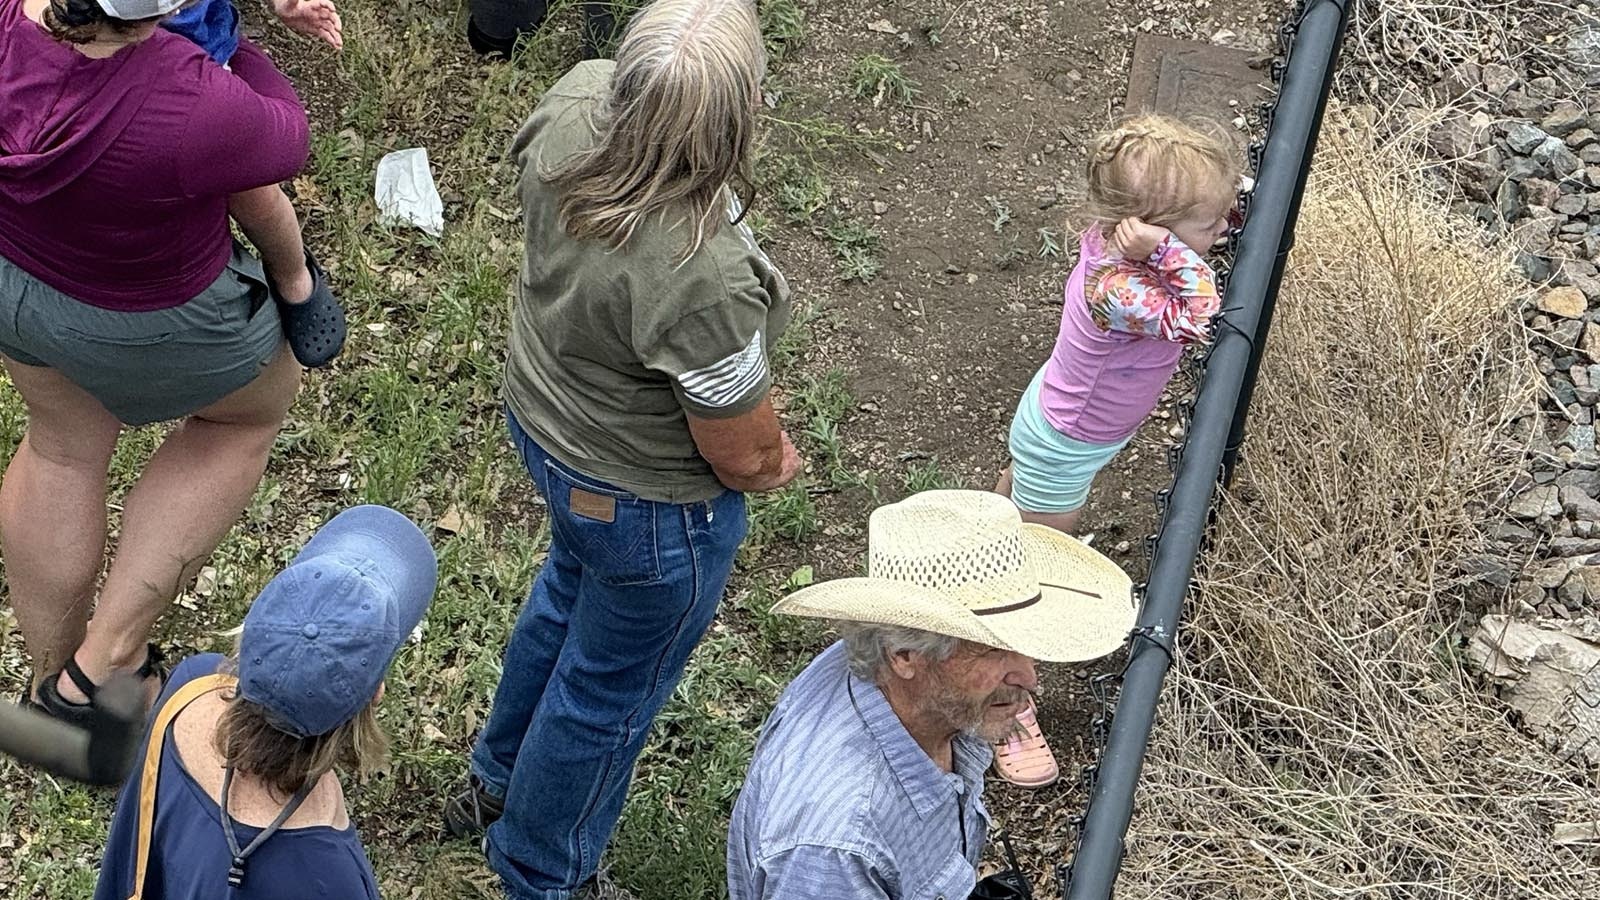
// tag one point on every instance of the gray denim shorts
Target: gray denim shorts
(147, 366)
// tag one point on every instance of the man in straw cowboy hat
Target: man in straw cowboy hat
(868, 777)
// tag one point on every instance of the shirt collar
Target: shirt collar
(928, 786)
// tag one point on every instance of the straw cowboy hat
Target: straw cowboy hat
(964, 564)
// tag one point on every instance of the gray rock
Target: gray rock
(1572, 205)
(1591, 245)
(1536, 269)
(1565, 333)
(1543, 87)
(1479, 181)
(1544, 476)
(1508, 201)
(1519, 167)
(1578, 437)
(1563, 390)
(1564, 118)
(1523, 137)
(1535, 234)
(1555, 156)
(1590, 155)
(1574, 229)
(1571, 590)
(1540, 192)
(1519, 102)
(1512, 533)
(1536, 502)
(1584, 529)
(1586, 483)
(1551, 574)
(1579, 505)
(1590, 577)
(1580, 139)
(1583, 52)
(1580, 550)
(1497, 78)
(1457, 137)
(1488, 569)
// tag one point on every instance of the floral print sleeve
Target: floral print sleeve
(1171, 295)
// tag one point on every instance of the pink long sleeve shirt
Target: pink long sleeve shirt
(115, 173)
(1124, 325)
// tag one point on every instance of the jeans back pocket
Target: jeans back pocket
(612, 532)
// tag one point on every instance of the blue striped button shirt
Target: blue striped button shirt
(840, 802)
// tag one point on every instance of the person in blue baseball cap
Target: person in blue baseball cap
(235, 792)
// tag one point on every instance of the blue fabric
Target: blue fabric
(612, 618)
(189, 857)
(1050, 472)
(213, 24)
(319, 639)
(841, 802)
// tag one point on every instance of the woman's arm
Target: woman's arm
(247, 129)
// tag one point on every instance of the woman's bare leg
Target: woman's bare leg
(53, 512)
(190, 494)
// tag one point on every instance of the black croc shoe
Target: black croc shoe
(316, 328)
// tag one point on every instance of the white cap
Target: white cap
(133, 10)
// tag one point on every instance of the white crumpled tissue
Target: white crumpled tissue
(406, 192)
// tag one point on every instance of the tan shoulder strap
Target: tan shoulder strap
(152, 766)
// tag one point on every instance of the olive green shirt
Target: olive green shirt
(610, 348)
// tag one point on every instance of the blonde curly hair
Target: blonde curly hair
(1160, 170)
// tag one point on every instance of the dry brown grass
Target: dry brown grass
(1321, 737)
(1408, 42)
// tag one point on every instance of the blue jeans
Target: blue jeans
(601, 643)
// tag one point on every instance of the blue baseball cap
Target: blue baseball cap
(319, 639)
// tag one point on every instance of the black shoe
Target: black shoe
(485, 45)
(316, 328)
(86, 715)
(472, 809)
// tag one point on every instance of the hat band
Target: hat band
(1009, 607)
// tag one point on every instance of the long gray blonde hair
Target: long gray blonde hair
(678, 128)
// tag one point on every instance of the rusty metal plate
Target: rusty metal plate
(1190, 79)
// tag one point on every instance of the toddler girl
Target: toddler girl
(1160, 193)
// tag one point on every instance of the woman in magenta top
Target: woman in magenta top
(124, 300)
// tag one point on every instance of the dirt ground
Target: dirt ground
(941, 344)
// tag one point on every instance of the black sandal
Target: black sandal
(316, 328)
(85, 715)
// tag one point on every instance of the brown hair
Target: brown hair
(678, 127)
(1158, 169)
(249, 742)
(81, 21)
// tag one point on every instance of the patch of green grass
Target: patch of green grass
(783, 25)
(879, 79)
(1000, 212)
(788, 512)
(1049, 243)
(855, 244)
(928, 476)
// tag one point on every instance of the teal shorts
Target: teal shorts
(150, 366)
(1050, 472)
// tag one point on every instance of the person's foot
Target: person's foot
(472, 809)
(1023, 757)
(68, 695)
